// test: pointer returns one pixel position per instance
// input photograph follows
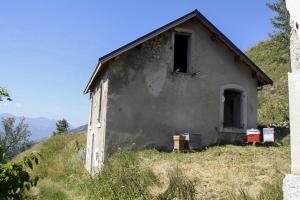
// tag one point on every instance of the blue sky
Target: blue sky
(48, 49)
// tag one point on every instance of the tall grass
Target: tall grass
(62, 168)
(270, 191)
(63, 175)
(121, 178)
(180, 187)
(49, 190)
(60, 157)
(159, 176)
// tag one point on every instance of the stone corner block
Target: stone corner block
(291, 187)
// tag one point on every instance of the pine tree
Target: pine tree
(281, 22)
(62, 126)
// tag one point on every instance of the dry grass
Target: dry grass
(216, 173)
(221, 171)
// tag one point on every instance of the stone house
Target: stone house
(185, 77)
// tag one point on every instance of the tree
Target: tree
(1, 154)
(281, 21)
(62, 126)
(13, 138)
(15, 177)
(4, 95)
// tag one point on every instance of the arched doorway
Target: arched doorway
(233, 108)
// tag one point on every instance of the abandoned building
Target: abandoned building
(185, 77)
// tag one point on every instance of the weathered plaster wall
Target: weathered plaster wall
(148, 103)
(97, 125)
(291, 182)
(293, 7)
(294, 85)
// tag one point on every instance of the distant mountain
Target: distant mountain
(79, 129)
(40, 127)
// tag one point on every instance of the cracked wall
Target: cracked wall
(148, 103)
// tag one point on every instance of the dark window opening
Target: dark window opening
(91, 108)
(232, 108)
(181, 53)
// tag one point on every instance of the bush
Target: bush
(14, 177)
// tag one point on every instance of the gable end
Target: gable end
(261, 77)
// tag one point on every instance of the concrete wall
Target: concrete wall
(148, 103)
(294, 85)
(291, 182)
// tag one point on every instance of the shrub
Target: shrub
(14, 177)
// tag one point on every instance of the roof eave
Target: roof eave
(97, 69)
(170, 25)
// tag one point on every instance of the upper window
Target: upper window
(181, 48)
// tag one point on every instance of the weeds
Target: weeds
(60, 157)
(270, 191)
(151, 175)
(180, 187)
(49, 191)
(62, 168)
(121, 178)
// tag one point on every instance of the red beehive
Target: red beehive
(253, 136)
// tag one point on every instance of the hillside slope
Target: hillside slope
(215, 173)
(274, 60)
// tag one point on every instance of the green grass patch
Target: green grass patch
(122, 178)
(49, 190)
